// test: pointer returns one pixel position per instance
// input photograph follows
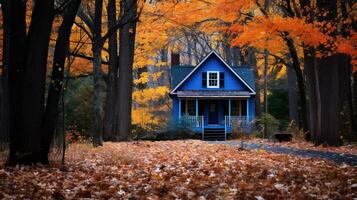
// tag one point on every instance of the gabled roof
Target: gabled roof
(181, 73)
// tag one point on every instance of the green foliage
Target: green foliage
(172, 131)
(278, 101)
(79, 101)
(270, 121)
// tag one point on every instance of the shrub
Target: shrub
(171, 131)
(298, 134)
(271, 123)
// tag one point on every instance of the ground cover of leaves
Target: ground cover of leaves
(179, 170)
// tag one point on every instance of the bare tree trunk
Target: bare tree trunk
(300, 81)
(35, 78)
(61, 51)
(327, 70)
(4, 76)
(126, 59)
(309, 70)
(15, 21)
(97, 76)
(354, 89)
(111, 99)
(265, 92)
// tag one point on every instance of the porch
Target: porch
(216, 117)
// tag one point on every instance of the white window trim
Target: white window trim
(212, 72)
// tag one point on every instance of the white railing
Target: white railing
(194, 121)
(239, 121)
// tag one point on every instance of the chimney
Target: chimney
(175, 59)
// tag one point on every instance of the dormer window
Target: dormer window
(213, 79)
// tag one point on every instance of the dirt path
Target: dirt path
(338, 158)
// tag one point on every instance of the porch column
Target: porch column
(196, 107)
(229, 112)
(229, 107)
(197, 121)
(248, 109)
(179, 107)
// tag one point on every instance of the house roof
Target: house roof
(180, 73)
(212, 93)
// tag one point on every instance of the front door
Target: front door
(213, 112)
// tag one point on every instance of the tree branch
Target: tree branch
(87, 57)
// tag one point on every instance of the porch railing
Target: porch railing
(194, 121)
(239, 121)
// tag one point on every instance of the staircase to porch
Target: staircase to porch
(214, 134)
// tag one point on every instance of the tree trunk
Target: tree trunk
(300, 81)
(97, 76)
(35, 78)
(328, 86)
(293, 106)
(354, 89)
(15, 20)
(266, 64)
(309, 70)
(4, 75)
(109, 122)
(327, 69)
(55, 88)
(126, 58)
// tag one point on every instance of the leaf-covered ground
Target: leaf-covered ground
(179, 170)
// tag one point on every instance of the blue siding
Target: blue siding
(175, 108)
(231, 82)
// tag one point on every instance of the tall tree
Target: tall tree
(94, 30)
(327, 84)
(109, 122)
(128, 9)
(56, 85)
(97, 75)
(30, 126)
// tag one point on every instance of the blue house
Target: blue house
(213, 97)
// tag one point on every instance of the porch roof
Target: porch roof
(213, 93)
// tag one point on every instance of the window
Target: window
(236, 108)
(191, 107)
(212, 79)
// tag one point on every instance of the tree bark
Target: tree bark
(328, 85)
(55, 89)
(15, 21)
(4, 75)
(126, 59)
(309, 70)
(354, 89)
(300, 81)
(109, 122)
(35, 77)
(97, 76)
(327, 69)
